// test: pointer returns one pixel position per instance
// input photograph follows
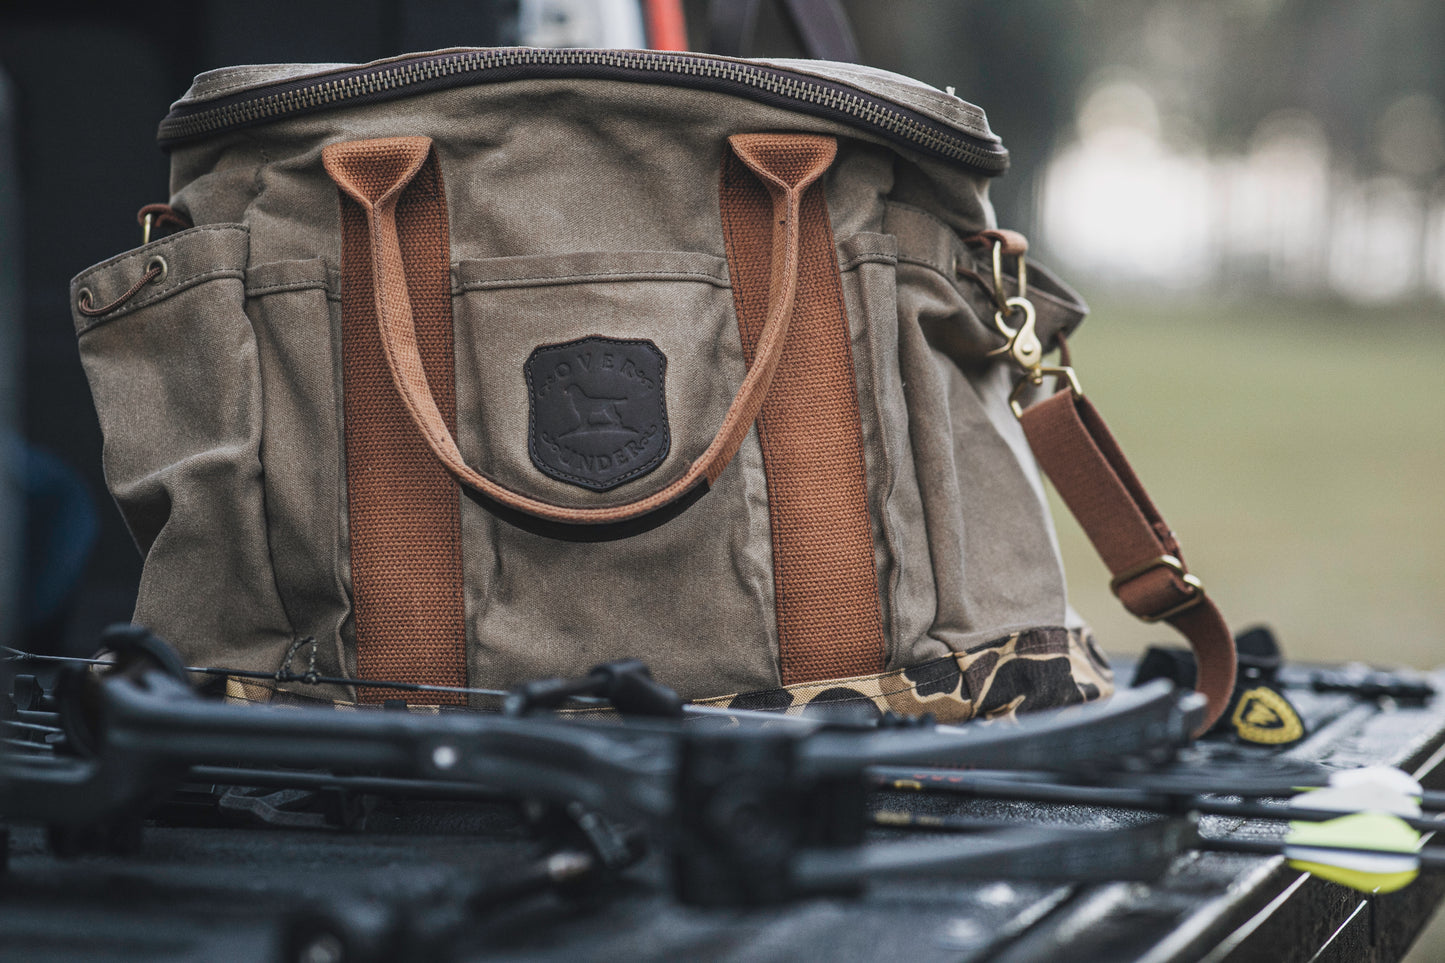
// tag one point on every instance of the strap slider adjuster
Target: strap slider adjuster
(1196, 588)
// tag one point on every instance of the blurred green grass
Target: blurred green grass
(1299, 451)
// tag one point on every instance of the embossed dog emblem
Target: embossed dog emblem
(593, 414)
(598, 410)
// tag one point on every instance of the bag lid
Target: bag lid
(885, 104)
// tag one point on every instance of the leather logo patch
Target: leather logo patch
(598, 410)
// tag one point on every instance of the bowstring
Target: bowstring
(310, 677)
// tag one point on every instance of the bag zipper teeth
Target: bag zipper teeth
(182, 124)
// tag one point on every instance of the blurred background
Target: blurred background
(1250, 193)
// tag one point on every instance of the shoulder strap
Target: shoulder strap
(1079, 454)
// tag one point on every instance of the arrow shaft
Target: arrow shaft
(956, 782)
(1432, 859)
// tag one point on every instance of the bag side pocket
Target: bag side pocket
(994, 555)
(174, 375)
(906, 588)
(294, 307)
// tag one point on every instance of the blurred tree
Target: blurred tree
(1215, 69)
(1020, 61)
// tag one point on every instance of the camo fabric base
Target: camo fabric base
(1029, 670)
(1024, 672)
(259, 691)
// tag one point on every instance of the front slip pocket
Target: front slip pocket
(613, 344)
(592, 379)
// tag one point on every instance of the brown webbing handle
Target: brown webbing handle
(1079, 454)
(785, 163)
(810, 433)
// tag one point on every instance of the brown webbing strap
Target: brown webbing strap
(402, 505)
(826, 587)
(1082, 459)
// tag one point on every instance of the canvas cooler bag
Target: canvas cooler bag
(476, 366)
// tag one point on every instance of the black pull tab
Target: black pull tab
(627, 683)
(632, 690)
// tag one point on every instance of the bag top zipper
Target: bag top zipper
(897, 108)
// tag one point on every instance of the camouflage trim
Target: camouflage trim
(1023, 672)
(247, 691)
(1026, 671)
(263, 692)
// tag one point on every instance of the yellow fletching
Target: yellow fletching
(1356, 879)
(1376, 871)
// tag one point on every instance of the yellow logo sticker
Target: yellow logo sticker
(1263, 716)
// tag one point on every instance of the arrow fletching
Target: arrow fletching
(1389, 777)
(1366, 872)
(1374, 800)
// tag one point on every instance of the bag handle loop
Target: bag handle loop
(374, 174)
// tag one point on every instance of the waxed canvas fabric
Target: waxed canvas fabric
(578, 207)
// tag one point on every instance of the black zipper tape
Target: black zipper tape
(409, 77)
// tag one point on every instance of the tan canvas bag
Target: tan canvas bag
(481, 365)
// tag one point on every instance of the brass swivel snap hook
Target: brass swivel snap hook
(1024, 346)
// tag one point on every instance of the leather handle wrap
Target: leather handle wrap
(374, 173)
(1079, 454)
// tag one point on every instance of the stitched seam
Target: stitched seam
(931, 218)
(952, 279)
(136, 304)
(887, 477)
(948, 273)
(283, 600)
(1018, 635)
(285, 286)
(155, 247)
(730, 245)
(160, 247)
(924, 262)
(927, 215)
(545, 280)
(268, 527)
(868, 257)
